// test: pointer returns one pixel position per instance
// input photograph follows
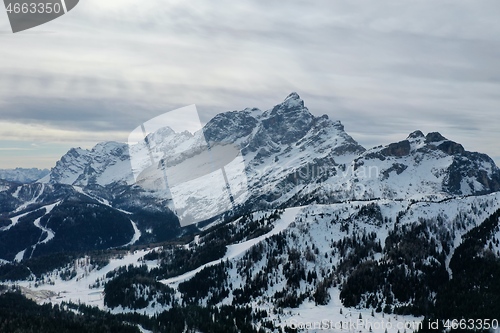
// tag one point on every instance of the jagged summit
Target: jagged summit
(293, 95)
(293, 98)
(416, 135)
(292, 104)
(434, 137)
(317, 224)
(431, 137)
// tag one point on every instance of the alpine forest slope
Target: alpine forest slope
(329, 233)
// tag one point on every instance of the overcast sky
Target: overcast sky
(384, 68)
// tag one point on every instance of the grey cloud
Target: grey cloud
(71, 114)
(383, 68)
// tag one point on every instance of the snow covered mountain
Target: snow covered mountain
(291, 155)
(291, 158)
(275, 143)
(326, 228)
(106, 163)
(425, 166)
(22, 175)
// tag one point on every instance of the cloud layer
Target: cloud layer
(383, 68)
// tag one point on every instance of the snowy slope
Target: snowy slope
(311, 235)
(78, 289)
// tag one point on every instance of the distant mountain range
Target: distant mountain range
(23, 175)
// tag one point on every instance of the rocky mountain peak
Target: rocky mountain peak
(397, 149)
(434, 137)
(416, 135)
(288, 121)
(337, 124)
(293, 97)
(292, 104)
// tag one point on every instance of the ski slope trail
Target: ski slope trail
(49, 232)
(237, 250)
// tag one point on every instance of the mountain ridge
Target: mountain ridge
(263, 137)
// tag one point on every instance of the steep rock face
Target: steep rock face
(472, 173)
(289, 121)
(69, 167)
(292, 151)
(398, 149)
(228, 127)
(434, 137)
(451, 148)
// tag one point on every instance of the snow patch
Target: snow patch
(137, 234)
